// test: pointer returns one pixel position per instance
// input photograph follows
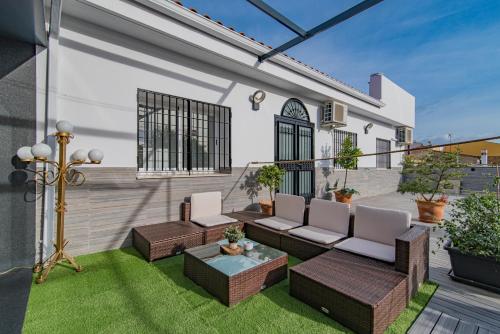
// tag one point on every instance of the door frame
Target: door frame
(296, 123)
(389, 162)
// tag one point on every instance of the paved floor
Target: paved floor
(14, 292)
(455, 307)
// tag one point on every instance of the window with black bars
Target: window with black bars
(338, 140)
(184, 135)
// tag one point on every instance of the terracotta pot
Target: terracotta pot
(430, 211)
(266, 207)
(343, 198)
(233, 245)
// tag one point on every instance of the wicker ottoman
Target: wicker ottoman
(362, 294)
(166, 239)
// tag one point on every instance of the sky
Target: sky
(444, 52)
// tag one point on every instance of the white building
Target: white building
(119, 69)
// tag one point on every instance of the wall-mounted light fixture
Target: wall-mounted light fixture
(257, 98)
(368, 127)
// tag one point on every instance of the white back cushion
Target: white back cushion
(380, 225)
(290, 207)
(328, 215)
(206, 204)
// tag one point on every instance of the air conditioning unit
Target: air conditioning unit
(404, 135)
(334, 114)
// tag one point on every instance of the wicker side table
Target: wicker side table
(166, 239)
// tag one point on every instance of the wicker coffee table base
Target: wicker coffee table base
(230, 290)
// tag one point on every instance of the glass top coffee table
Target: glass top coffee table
(232, 278)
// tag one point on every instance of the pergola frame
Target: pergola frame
(302, 34)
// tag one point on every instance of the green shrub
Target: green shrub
(347, 158)
(430, 174)
(270, 176)
(474, 225)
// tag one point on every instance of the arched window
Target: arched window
(294, 108)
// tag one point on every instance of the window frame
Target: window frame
(199, 144)
(338, 137)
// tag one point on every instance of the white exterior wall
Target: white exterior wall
(366, 142)
(399, 104)
(99, 72)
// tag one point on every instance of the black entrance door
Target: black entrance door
(294, 140)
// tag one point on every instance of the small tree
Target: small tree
(270, 176)
(430, 174)
(347, 158)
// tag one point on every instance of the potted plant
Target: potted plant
(429, 176)
(269, 176)
(472, 239)
(233, 234)
(347, 158)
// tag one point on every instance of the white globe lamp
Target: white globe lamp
(95, 155)
(79, 155)
(64, 126)
(41, 151)
(24, 154)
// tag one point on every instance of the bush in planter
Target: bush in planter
(270, 176)
(474, 225)
(233, 234)
(472, 237)
(428, 176)
(347, 158)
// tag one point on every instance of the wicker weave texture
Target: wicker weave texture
(263, 235)
(231, 290)
(166, 239)
(412, 256)
(301, 248)
(216, 233)
(364, 295)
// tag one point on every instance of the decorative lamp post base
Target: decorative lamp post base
(56, 258)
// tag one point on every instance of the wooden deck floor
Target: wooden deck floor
(455, 307)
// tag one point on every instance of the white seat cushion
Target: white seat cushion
(278, 223)
(369, 248)
(206, 204)
(380, 225)
(317, 234)
(213, 220)
(290, 207)
(328, 215)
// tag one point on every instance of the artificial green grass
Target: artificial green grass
(119, 292)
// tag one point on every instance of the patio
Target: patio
(119, 291)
